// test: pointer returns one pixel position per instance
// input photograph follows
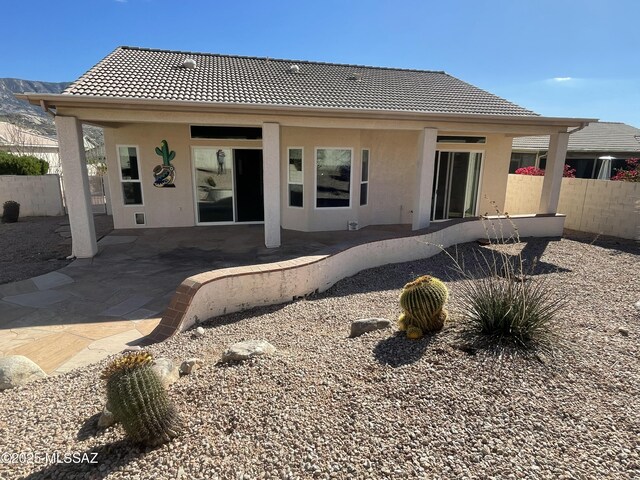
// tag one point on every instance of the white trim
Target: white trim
(315, 179)
(289, 182)
(362, 182)
(122, 180)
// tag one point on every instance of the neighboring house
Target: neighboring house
(290, 144)
(21, 141)
(596, 151)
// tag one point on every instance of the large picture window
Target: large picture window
(130, 175)
(295, 178)
(333, 177)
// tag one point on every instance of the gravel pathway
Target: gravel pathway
(377, 406)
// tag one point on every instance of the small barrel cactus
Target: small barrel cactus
(139, 401)
(422, 303)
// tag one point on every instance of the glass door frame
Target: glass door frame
(233, 184)
(437, 165)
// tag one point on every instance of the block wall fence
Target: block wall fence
(38, 196)
(595, 206)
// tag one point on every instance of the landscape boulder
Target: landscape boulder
(368, 325)
(16, 370)
(247, 349)
(167, 369)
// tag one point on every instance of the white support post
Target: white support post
(271, 183)
(553, 173)
(424, 177)
(76, 187)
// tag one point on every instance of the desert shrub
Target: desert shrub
(22, 165)
(502, 301)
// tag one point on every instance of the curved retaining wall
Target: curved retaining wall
(228, 290)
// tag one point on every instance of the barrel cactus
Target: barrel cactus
(139, 401)
(422, 303)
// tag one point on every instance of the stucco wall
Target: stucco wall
(38, 196)
(392, 170)
(595, 206)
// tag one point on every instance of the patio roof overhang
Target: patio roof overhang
(91, 103)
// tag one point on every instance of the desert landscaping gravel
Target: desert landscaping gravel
(376, 406)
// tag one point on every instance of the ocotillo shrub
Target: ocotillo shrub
(422, 303)
(139, 400)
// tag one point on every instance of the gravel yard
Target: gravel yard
(32, 246)
(377, 406)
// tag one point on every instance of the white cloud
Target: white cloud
(562, 79)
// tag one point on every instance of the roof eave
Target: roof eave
(46, 101)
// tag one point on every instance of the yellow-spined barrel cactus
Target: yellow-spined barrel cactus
(422, 303)
(139, 401)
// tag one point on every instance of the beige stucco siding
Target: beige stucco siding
(163, 207)
(392, 171)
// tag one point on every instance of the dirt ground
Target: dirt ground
(37, 245)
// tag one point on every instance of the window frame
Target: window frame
(362, 181)
(315, 179)
(123, 180)
(289, 182)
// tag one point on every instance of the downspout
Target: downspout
(45, 107)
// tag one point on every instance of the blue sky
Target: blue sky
(568, 58)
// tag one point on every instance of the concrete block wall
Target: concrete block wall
(595, 206)
(38, 196)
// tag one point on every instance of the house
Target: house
(596, 151)
(22, 141)
(207, 139)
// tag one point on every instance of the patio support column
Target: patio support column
(424, 178)
(553, 173)
(76, 187)
(271, 183)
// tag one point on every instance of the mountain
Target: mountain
(30, 116)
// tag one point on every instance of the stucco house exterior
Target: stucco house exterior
(596, 151)
(207, 139)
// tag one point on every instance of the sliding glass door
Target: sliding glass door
(455, 185)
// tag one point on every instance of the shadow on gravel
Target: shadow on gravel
(604, 241)
(95, 463)
(397, 350)
(89, 428)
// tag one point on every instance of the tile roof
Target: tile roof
(138, 73)
(596, 137)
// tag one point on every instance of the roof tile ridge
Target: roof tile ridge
(273, 59)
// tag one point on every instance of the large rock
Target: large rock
(247, 349)
(190, 365)
(167, 369)
(106, 418)
(16, 370)
(368, 325)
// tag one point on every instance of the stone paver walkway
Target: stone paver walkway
(96, 307)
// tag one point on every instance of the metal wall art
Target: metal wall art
(164, 174)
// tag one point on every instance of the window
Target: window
(233, 133)
(460, 139)
(130, 175)
(333, 177)
(519, 160)
(364, 180)
(296, 178)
